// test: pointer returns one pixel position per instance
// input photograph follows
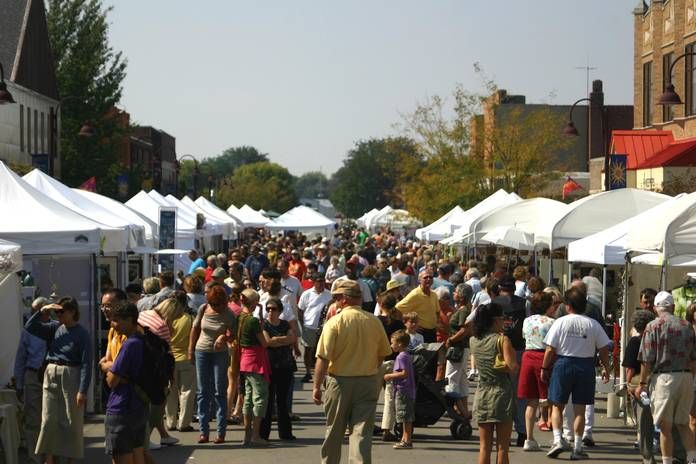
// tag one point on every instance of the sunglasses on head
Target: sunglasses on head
(272, 308)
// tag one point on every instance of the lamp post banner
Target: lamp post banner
(616, 172)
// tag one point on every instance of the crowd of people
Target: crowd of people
(222, 339)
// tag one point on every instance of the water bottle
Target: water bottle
(644, 399)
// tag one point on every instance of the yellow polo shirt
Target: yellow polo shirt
(426, 306)
(114, 341)
(354, 343)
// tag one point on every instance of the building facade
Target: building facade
(27, 61)
(664, 30)
(155, 151)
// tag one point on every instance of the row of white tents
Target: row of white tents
(64, 237)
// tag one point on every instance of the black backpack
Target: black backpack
(158, 369)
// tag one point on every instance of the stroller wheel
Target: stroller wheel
(461, 430)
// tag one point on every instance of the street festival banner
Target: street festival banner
(617, 172)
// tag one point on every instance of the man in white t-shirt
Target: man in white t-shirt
(289, 283)
(571, 344)
(311, 304)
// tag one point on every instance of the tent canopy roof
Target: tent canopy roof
(40, 224)
(594, 213)
(301, 218)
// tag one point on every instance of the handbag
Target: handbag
(454, 353)
(499, 363)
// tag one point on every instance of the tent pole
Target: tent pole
(663, 275)
(623, 321)
(125, 269)
(604, 291)
(550, 266)
(570, 275)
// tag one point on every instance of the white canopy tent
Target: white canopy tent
(150, 208)
(361, 220)
(40, 224)
(396, 219)
(304, 219)
(594, 213)
(609, 246)
(420, 233)
(371, 220)
(671, 234)
(509, 236)
(230, 224)
(248, 216)
(212, 225)
(462, 229)
(445, 228)
(12, 307)
(128, 214)
(118, 235)
(524, 215)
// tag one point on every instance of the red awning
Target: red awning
(639, 145)
(679, 153)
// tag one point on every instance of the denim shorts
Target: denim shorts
(573, 376)
(124, 432)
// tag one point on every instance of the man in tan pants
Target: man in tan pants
(350, 351)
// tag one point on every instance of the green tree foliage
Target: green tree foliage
(473, 146)
(218, 167)
(313, 184)
(89, 69)
(262, 185)
(373, 174)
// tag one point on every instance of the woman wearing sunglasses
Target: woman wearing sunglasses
(66, 380)
(281, 339)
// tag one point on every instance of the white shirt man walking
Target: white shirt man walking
(571, 344)
(312, 302)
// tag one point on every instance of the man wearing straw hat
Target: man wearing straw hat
(668, 361)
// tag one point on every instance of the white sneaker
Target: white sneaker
(558, 448)
(155, 446)
(471, 375)
(578, 455)
(531, 445)
(169, 441)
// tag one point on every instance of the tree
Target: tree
(313, 184)
(262, 185)
(476, 145)
(231, 159)
(89, 69)
(372, 175)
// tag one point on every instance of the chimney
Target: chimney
(596, 143)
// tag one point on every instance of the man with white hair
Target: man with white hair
(668, 363)
(423, 301)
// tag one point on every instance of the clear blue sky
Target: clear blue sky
(304, 80)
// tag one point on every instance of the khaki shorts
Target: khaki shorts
(671, 397)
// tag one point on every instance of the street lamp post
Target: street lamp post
(86, 131)
(195, 174)
(571, 130)
(5, 95)
(670, 96)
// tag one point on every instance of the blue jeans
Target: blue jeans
(211, 374)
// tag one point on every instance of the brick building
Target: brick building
(594, 123)
(155, 150)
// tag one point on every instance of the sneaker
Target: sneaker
(588, 441)
(154, 446)
(578, 455)
(388, 436)
(403, 445)
(471, 375)
(169, 441)
(558, 448)
(531, 445)
(521, 438)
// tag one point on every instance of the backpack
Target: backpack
(158, 369)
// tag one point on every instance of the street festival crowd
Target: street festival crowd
(220, 343)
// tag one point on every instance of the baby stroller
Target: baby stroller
(431, 400)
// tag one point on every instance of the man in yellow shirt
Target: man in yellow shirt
(350, 351)
(423, 301)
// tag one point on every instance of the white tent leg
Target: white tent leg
(604, 291)
(550, 268)
(570, 274)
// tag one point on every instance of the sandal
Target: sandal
(544, 426)
(234, 420)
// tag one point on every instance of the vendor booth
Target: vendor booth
(303, 219)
